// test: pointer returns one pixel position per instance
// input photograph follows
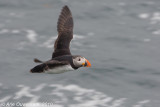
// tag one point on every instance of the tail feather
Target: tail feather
(37, 61)
(38, 69)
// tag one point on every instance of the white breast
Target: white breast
(59, 69)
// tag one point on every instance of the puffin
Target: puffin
(62, 60)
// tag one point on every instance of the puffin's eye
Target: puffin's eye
(79, 59)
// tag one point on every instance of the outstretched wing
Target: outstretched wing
(65, 33)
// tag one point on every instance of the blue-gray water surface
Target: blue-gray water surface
(121, 39)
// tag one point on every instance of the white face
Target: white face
(79, 61)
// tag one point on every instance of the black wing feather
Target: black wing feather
(65, 33)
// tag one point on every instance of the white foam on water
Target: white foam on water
(87, 97)
(2, 31)
(81, 97)
(49, 43)
(143, 15)
(76, 37)
(33, 102)
(155, 18)
(78, 89)
(141, 103)
(157, 32)
(6, 98)
(15, 31)
(25, 91)
(31, 36)
(118, 103)
(58, 93)
(39, 87)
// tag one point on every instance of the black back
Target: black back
(53, 63)
(48, 65)
(67, 58)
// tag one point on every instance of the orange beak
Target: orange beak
(87, 63)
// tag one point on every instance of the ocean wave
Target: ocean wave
(157, 32)
(49, 43)
(154, 21)
(70, 95)
(76, 37)
(153, 17)
(31, 36)
(4, 31)
(143, 15)
(14, 31)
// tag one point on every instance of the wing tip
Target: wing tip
(65, 7)
(63, 17)
(66, 10)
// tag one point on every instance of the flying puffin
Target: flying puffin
(62, 60)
